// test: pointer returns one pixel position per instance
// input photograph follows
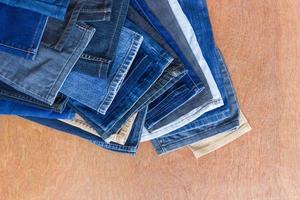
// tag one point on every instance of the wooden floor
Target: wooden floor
(261, 43)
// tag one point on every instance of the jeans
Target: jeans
(147, 67)
(62, 45)
(130, 146)
(172, 74)
(10, 107)
(10, 93)
(162, 17)
(98, 71)
(101, 51)
(52, 8)
(216, 142)
(216, 121)
(185, 83)
(96, 92)
(20, 31)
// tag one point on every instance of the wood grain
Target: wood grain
(261, 43)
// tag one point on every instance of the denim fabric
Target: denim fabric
(172, 74)
(185, 88)
(148, 66)
(130, 146)
(20, 31)
(52, 8)
(101, 51)
(168, 102)
(10, 93)
(174, 20)
(10, 107)
(96, 10)
(144, 11)
(144, 24)
(43, 78)
(216, 121)
(97, 93)
(168, 24)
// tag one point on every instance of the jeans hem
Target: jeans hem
(172, 146)
(169, 81)
(120, 75)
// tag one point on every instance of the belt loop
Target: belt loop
(72, 21)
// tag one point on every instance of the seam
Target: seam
(30, 51)
(203, 133)
(78, 47)
(121, 74)
(115, 29)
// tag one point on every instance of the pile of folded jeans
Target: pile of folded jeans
(119, 72)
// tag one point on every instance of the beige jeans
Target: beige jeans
(215, 142)
(120, 137)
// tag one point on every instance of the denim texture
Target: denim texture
(169, 101)
(218, 120)
(142, 8)
(11, 107)
(186, 83)
(10, 93)
(130, 147)
(168, 12)
(52, 8)
(96, 92)
(21, 31)
(101, 51)
(162, 17)
(96, 10)
(147, 67)
(62, 45)
(172, 74)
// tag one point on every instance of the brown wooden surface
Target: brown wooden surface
(261, 43)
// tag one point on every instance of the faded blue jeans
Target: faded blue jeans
(86, 86)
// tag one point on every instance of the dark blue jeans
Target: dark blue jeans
(218, 120)
(172, 74)
(11, 107)
(130, 147)
(52, 8)
(21, 31)
(11, 94)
